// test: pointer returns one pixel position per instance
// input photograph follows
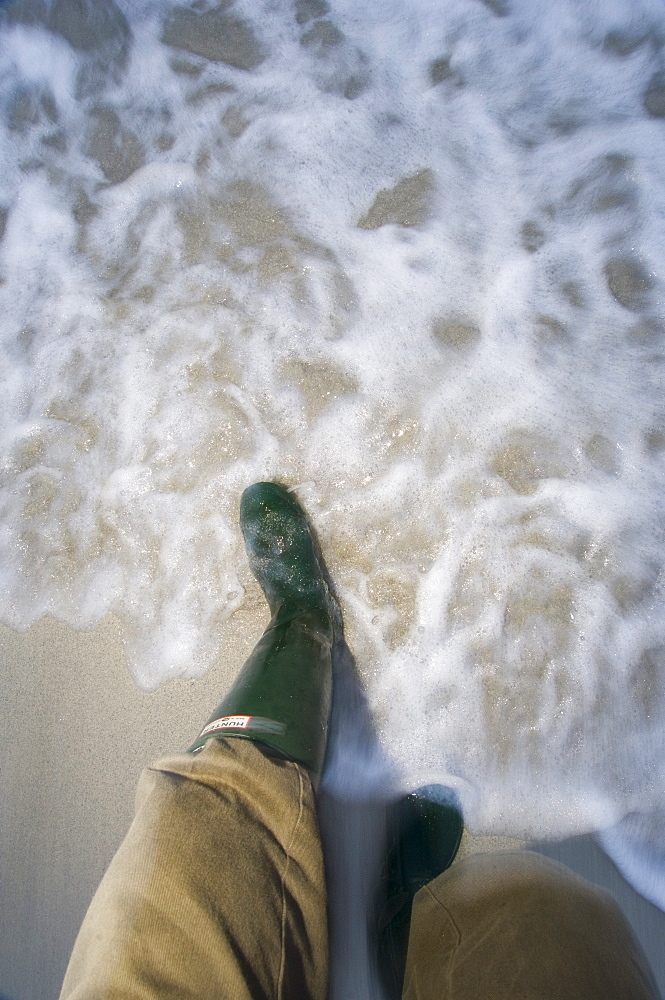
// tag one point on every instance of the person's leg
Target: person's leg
(217, 891)
(521, 927)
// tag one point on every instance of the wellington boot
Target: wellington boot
(282, 696)
(424, 835)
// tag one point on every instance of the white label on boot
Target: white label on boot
(227, 722)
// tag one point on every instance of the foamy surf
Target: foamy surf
(408, 258)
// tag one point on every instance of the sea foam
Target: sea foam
(409, 256)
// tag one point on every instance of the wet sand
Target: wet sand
(76, 732)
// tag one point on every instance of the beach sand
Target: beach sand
(76, 732)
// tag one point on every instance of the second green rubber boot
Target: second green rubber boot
(282, 696)
(424, 833)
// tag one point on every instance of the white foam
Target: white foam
(411, 262)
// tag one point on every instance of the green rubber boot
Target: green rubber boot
(424, 836)
(282, 695)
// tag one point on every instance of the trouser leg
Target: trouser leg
(217, 891)
(521, 927)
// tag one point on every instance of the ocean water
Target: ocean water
(408, 258)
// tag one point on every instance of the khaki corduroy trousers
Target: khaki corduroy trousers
(218, 891)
